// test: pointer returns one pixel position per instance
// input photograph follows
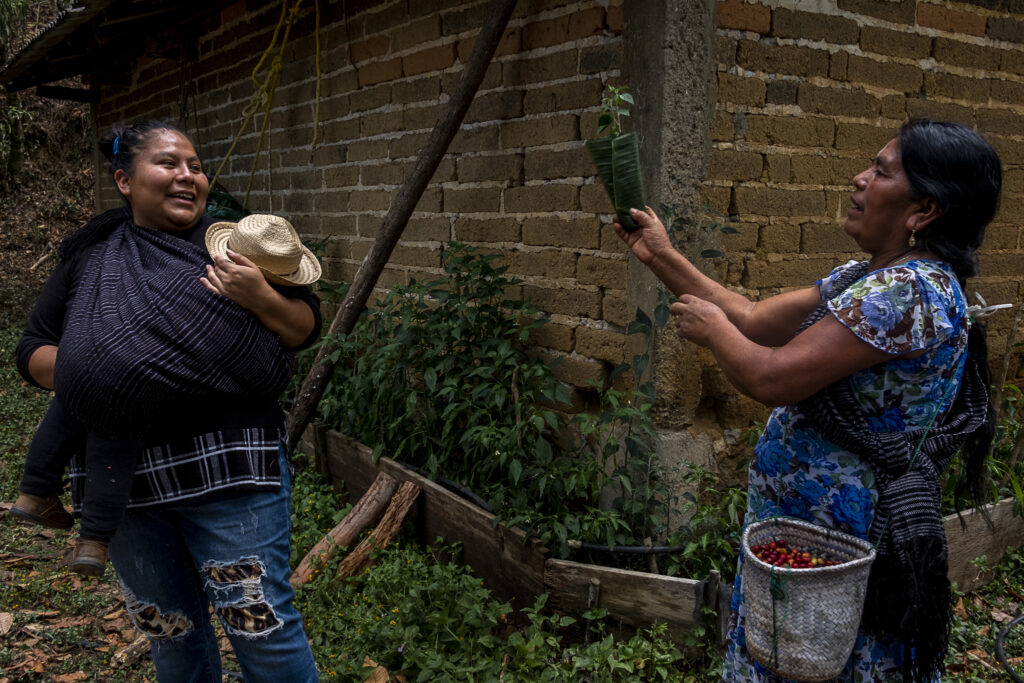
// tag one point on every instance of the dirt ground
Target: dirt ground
(47, 199)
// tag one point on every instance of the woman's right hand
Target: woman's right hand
(648, 241)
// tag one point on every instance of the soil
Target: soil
(47, 198)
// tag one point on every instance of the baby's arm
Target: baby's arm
(238, 278)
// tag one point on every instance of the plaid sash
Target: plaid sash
(142, 332)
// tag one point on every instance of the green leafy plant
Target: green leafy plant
(617, 156)
(439, 376)
(431, 620)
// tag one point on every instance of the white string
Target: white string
(982, 309)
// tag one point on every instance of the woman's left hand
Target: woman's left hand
(696, 319)
(237, 278)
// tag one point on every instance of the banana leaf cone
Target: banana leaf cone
(617, 160)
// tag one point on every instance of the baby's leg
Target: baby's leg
(109, 468)
(58, 437)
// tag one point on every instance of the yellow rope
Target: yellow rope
(263, 97)
(316, 104)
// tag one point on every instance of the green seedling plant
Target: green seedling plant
(616, 156)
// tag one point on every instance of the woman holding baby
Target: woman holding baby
(169, 368)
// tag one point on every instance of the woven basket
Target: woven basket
(807, 629)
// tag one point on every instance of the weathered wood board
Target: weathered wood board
(975, 538)
(510, 563)
(637, 598)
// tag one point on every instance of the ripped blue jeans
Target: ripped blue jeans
(174, 562)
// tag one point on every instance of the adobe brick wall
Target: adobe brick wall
(805, 100)
(516, 180)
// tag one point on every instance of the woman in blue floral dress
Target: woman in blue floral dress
(892, 333)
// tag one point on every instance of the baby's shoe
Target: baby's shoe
(48, 511)
(88, 557)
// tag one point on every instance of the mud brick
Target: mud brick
(551, 67)
(432, 59)
(553, 336)
(744, 16)
(850, 101)
(416, 90)
(574, 301)
(602, 271)
(885, 41)
(474, 139)
(542, 198)
(950, 20)
(904, 78)
(379, 72)
(472, 200)
(601, 344)
(417, 32)
(962, 53)
(544, 164)
(938, 84)
(549, 263)
(487, 229)
(495, 106)
(536, 131)
(785, 59)
(492, 167)
(573, 233)
(741, 90)
(787, 23)
(730, 164)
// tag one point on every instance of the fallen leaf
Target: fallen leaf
(6, 621)
(113, 615)
(1001, 617)
(70, 678)
(960, 610)
(70, 622)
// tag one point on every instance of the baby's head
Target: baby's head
(271, 243)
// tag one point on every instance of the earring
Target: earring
(912, 242)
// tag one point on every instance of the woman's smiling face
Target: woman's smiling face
(167, 188)
(881, 204)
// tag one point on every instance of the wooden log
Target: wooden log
(974, 538)
(637, 598)
(359, 559)
(509, 561)
(129, 655)
(366, 512)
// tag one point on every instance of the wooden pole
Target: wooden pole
(398, 215)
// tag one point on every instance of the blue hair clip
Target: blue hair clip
(116, 140)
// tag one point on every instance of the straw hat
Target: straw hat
(271, 243)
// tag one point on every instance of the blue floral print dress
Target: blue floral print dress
(795, 472)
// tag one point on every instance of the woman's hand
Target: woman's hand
(650, 240)
(696, 319)
(239, 279)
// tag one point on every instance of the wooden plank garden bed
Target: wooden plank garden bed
(513, 566)
(518, 568)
